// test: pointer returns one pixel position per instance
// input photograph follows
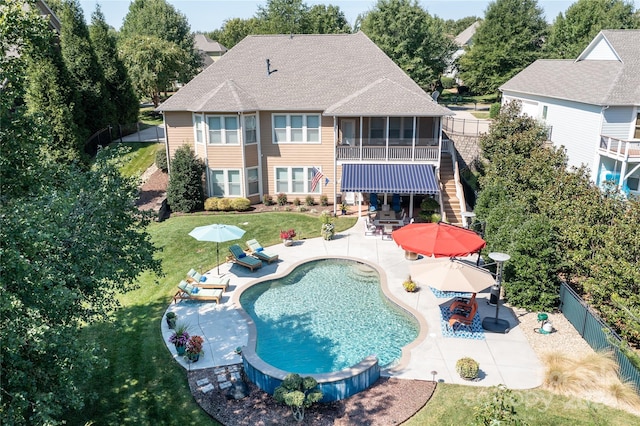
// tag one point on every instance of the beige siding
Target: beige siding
(224, 156)
(276, 155)
(179, 130)
(251, 155)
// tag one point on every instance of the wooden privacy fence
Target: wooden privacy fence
(596, 332)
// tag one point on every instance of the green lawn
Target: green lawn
(142, 384)
(149, 117)
(453, 405)
(140, 158)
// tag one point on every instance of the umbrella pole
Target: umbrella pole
(218, 256)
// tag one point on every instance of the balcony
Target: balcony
(425, 151)
(620, 149)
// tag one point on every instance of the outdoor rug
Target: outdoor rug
(474, 332)
(448, 294)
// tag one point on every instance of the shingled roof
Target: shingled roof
(344, 74)
(607, 72)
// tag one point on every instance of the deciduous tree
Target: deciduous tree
(572, 32)
(411, 37)
(508, 40)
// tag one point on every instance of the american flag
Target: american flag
(317, 175)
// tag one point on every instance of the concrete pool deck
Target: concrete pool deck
(504, 358)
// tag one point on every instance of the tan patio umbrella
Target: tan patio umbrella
(451, 275)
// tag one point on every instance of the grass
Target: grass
(454, 405)
(143, 385)
(149, 117)
(449, 97)
(141, 156)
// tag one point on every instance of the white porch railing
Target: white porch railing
(619, 148)
(391, 153)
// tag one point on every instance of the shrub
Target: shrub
(409, 285)
(429, 205)
(309, 201)
(185, 192)
(298, 394)
(267, 200)
(211, 204)
(494, 110)
(324, 200)
(161, 160)
(467, 368)
(224, 204)
(435, 217)
(447, 82)
(240, 204)
(297, 202)
(282, 199)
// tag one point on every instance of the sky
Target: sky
(208, 15)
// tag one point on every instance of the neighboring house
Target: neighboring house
(464, 40)
(210, 50)
(592, 105)
(277, 109)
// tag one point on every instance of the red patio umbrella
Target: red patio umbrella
(438, 239)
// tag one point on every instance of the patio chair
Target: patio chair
(369, 228)
(197, 279)
(463, 304)
(240, 257)
(202, 293)
(259, 252)
(463, 319)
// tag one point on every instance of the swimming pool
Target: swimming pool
(327, 315)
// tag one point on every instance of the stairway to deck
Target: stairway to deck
(450, 201)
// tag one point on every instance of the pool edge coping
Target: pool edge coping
(401, 364)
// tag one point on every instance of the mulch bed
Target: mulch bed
(389, 401)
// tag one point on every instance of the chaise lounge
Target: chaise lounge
(197, 279)
(259, 252)
(463, 317)
(201, 293)
(240, 257)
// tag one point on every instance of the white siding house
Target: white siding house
(591, 104)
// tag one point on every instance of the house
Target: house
(210, 50)
(464, 40)
(309, 115)
(592, 105)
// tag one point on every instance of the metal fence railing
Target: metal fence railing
(596, 332)
(465, 126)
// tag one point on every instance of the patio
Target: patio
(504, 358)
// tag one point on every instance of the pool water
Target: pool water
(327, 315)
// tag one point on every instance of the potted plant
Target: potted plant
(287, 236)
(328, 228)
(194, 348)
(171, 318)
(468, 368)
(179, 338)
(409, 285)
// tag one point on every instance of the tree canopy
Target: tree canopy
(411, 37)
(157, 18)
(508, 40)
(70, 240)
(572, 32)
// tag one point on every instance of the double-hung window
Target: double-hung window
(223, 129)
(225, 183)
(296, 128)
(198, 123)
(296, 180)
(378, 129)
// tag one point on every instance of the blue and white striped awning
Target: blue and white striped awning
(389, 178)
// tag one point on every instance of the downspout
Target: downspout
(166, 142)
(335, 166)
(260, 186)
(243, 178)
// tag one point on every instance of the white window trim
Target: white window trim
(223, 131)
(203, 129)
(307, 181)
(226, 193)
(288, 129)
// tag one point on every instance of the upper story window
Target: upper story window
(198, 122)
(296, 128)
(250, 134)
(223, 129)
(378, 128)
(636, 135)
